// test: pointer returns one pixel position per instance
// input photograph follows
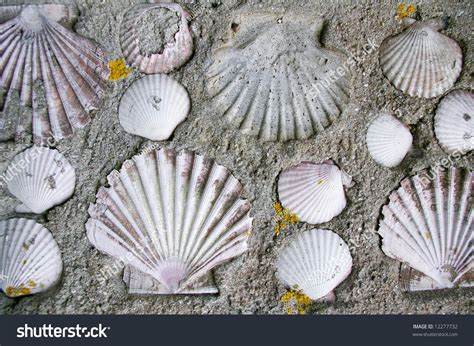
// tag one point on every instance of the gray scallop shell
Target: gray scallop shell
(273, 79)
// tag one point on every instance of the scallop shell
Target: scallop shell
(55, 75)
(314, 192)
(274, 80)
(40, 178)
(153, 106)
(428, 224)
(420, 61)
(454, 122)
(388, 140)
(30, 260)
(316, 262)
(173, 217)
(173, 56)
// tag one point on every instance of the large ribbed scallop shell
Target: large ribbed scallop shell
(174, 217)
(421, 61)
(30, 261)
(153, 106)
(52, 76)
(314, 192)
(316, 262)
(173, 56)
(40, 178)
(388, 140)
(454, 122)
(428, 224)
(274, 80)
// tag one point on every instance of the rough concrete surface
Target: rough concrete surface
(248, 284)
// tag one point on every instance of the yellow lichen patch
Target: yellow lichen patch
(23, 262)
(17, 292)
(295, 300)
(118, 69)
(320, 181)
(248, 233)
(31, 283)
(428, 235)
(404, 10)
(283, 218)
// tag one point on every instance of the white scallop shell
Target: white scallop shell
(153, 106)
(314, 192)
(40, 178)
(316, 262)
(172, 216)
(388, 140)
(30, 260)
(454, 122)
(428, 224)
(55, 75)
(274, 80)
(173, 56)
(420, 61)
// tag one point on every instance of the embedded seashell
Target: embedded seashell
(428, 224)
(40, 178)
(420, 61)
(412, 280)
(274, 80)
(51, 74)
(153, 106)
(388, 140)
(30, 260)
(314, 192)
(454, 122)
(174, 55)
(316, 262)
(174, 217)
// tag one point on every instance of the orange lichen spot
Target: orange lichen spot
(17, 292)
(404, 10)
(283, 218)
(296, 301)
(118, 69)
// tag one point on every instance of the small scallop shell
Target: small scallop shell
(153, 106)
(55, 75)
(273, 79)
(388, 140)
(173, 56)
(30, 260)
(420, 61)
(314, 192)
(316, 262)
(428, 224)
(174, 217)
(454, 122)
(40, 178)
